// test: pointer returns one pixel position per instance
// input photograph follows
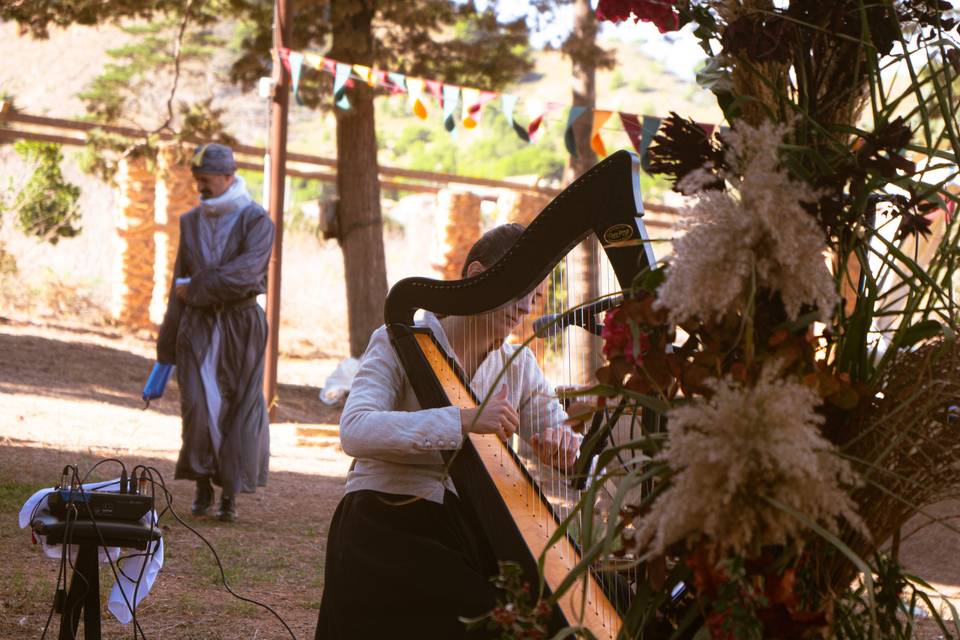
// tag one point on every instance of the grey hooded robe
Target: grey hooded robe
(220, 299)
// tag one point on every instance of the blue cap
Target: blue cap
(213, 158)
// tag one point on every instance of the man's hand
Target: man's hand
(498, 417)
(181, 291)
(556, 446)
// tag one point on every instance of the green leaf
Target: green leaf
(921, 331)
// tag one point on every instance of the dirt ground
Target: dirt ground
(70, 393)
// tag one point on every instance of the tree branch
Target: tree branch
(177, 54)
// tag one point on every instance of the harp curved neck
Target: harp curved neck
(605, 200)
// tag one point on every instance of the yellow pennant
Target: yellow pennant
(596, 142)
(314, 60)
(415, 91)
(364, 72)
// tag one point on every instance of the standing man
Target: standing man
(216, 334)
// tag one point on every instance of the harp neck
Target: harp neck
(605, 200)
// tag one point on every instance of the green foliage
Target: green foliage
(46, 206)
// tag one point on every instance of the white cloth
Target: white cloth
(337, 386)
(397, 444)
(131, 567)
(219, 216)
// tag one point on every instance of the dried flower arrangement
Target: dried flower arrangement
(812, 407)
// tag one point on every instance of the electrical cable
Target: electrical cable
(216, 556)
(146, 475)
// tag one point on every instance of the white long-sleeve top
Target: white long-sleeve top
(397, 444)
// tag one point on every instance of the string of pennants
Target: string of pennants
(463, 106)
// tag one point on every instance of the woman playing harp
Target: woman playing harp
(404, 558)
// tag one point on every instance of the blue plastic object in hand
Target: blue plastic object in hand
(157, 382)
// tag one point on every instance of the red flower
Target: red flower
(618, 339)
(659, 12)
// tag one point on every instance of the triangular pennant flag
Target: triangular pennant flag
(330, 65)
(284, 55)
(313, 60)
(569, 139)
(415, 91)
(509, 103)
(451, 100)
(536, 109)
(365, 73)
(650, 126)
(378, 78)
(340, 86)
(398, 82)
(596, 142)
(296, 62)
(631, 124)
(435, 88)
(707, 128)
(471, 106)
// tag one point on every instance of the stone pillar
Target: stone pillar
(458, 223)
(134, 258)
(521, 206)
(175, 195)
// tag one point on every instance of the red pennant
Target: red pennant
(631, 124)
(284, 55)
(707, 128)
(534, 125)
(435, 88)
(330, 65)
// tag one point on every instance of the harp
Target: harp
(509, 497)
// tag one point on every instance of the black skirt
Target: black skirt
(399, 567)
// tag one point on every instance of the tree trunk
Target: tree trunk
(582, 51)
(358, 186)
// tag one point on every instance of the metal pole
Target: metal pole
(282, 13)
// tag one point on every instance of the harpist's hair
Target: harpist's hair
(492, 245)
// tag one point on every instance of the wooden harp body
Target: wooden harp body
(515, 515)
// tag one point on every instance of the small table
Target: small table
(84, 592)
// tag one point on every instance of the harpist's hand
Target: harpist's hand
(556, 446)
(498, 417)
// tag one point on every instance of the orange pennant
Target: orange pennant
(596, 142)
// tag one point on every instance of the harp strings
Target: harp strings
(567, 359)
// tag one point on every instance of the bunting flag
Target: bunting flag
(465, 104)
(340, 86)
(415, 93)
(569, 138)
(596, 142)
(473, 102)
(536, 109)
(365, 73)
(651, 124)
(284, 55)
(296, 63)
(509, 103)
(451, 101)
(435, 88)
(631, 124)
(398, 82)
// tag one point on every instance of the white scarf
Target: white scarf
(236, 197)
